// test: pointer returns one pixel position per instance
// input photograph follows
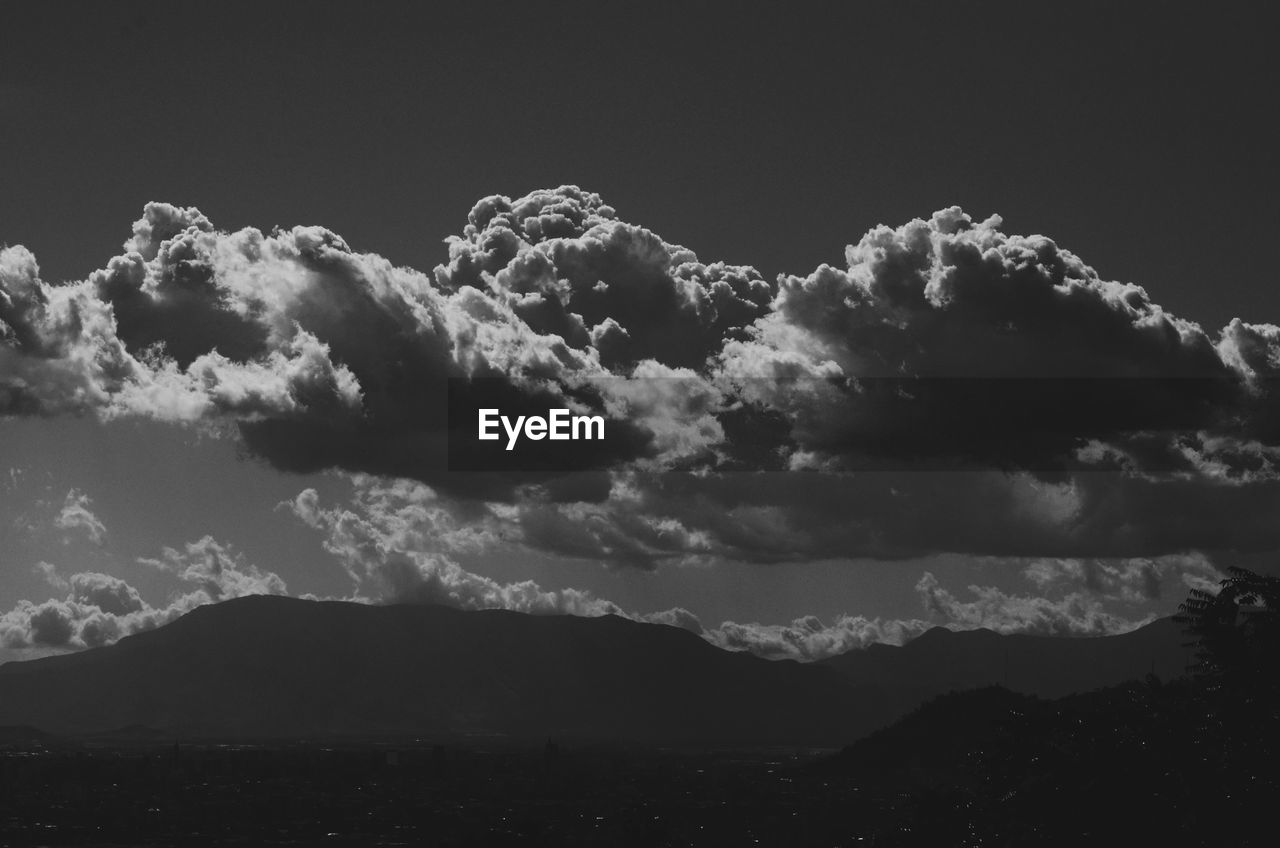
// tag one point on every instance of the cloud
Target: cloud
(216, 570)
(948, 343)
(75, 624)
(111, 595)
(50, 573)
(648, 519)
(1075, 614)
(948, 373)
(400, 541)
(322, 357)
(1134, 581)
(395, 543)
(58, 348)
(100, 608)
(808, 639)
(564, 262)
(76, 517)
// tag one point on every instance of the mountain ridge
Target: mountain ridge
(274, 667)
(1032, 664)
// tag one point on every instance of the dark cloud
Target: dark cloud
(48, 624)
(110, 594)
(799, 516)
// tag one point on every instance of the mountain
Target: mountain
(281, 667)
(942, 660)
(935, 738)
(275, 667)
(1141, 763)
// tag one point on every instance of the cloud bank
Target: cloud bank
(402, 542)
(949, 372)
(952, 388)
(99, 609)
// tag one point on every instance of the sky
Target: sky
(228, 303)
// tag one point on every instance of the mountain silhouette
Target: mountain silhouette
(942, 660)
(275, 667)
(935, 738)
(265, 666)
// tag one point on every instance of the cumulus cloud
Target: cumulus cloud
(58, 347)
(1074, 614)
(77, 517)
(216, 570)
(111, 595)
(99, 609)
(946, 341)
(395, 543)
(1008, 398)
(566, 264)
(320, 356)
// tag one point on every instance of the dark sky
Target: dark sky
(1137, 135)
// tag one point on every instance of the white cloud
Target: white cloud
(1074, 614)
(99, 608)
(76, 517)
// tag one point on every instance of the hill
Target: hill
(280, 667)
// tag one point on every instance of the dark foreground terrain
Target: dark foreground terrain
(378, 795)
(1147, 763)
(1177, 760)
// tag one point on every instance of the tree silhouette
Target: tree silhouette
(1236, 631)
